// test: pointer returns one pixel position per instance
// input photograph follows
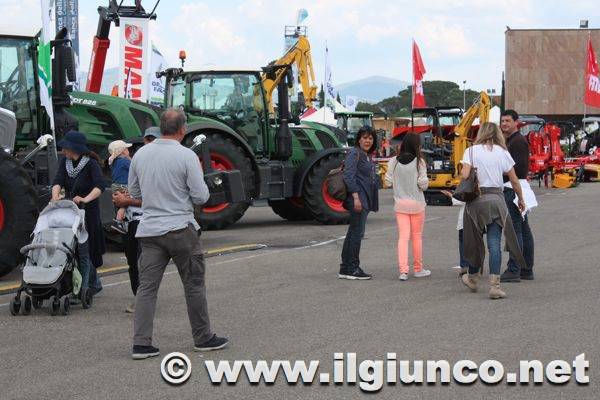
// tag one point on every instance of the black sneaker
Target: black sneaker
(214, 343)
(359, 274)
(119, 226)
(509, 276)
(143, 352)
(527, 276)
(343, 274)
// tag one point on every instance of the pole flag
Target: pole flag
(592, 79)
(134, 58)
(45, 62)
(329, 89)
(157, 85)
(418, 96)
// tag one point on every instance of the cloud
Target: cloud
(442, 38)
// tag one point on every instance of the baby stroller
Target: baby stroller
(51, 270)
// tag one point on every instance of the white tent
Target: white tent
(323, 115)
(495, 114)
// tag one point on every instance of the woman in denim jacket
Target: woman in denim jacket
(361, 181)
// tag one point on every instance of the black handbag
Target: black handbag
(468, 189)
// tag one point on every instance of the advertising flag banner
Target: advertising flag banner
(592, 79)
(157, 85)
(134, 58)
(418, 96)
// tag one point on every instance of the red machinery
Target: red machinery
(108, 15)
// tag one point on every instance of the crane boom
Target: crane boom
(299, 54)
(480, 109)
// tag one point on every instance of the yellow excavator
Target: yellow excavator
(298, 54)
(449, 149)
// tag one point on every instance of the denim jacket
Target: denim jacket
(360, 177)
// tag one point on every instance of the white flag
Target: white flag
(157, 85)
(351, 102)
(45, 61)
(329, 89)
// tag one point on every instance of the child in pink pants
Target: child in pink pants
(407, 173)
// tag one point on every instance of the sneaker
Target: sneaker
(214, 343)
(526, 276)
(343, 274)
(119, 226)
(403, 277)
(422, 273)
(143, 352)
(509, 276)
(130, 308)
(359, 274)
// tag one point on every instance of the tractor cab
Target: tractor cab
(350, 122)
(19, 84)
(232, 97)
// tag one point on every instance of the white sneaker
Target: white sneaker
(422, 273)
(403, 277)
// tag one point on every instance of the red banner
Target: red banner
(418, 96)
(592, 79)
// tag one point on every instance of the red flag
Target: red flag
(418, 97)
(592, 79)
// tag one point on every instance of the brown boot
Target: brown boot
(495, 292)
(470, 280)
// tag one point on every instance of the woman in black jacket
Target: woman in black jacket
(360, 176)
(80, 175)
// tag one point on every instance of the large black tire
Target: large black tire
(212, 218)
(292, 210)
(314, 199)
(18, 211)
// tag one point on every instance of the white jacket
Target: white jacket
(408, 183)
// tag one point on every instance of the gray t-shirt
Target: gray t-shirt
(168, 178)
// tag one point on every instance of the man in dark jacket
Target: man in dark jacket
(518, 147)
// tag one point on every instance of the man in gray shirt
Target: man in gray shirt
(168, 176)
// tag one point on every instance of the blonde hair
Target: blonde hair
(490, 134)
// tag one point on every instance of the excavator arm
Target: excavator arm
(299, 55)
(480, 109)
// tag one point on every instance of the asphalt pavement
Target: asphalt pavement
(283, 302)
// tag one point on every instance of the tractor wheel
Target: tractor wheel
(291, 209)
(18, 211)
(317, 199)
(226, 155)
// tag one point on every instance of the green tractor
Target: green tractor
(254, 157)
(351, 121)
(28, 157)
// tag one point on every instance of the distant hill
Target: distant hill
(372, 89)
(109, 79)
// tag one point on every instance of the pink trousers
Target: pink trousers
(410, 226)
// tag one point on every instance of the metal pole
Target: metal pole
(464, 96)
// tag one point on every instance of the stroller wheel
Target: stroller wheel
(27, 305)
(54, 305)
(65, 305)
(37, 303)
(15, 306)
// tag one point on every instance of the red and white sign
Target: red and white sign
(134, 58)
(592, 79)
(418, 96)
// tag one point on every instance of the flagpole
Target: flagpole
(584, 83)
(412, 91)
(325, 91)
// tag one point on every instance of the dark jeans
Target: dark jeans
(132, 253)
(89, 276)
(461, 250)
(184, 247)
(351, 249)
(494, 240)
(523, 231)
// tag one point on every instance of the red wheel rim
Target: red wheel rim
(219, 162)
(332, 203)
(1, 215)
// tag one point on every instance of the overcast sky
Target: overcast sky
(459, 40)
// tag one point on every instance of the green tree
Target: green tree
(321, 96)
(364, 106)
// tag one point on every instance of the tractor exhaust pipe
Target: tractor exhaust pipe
(283, 137)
